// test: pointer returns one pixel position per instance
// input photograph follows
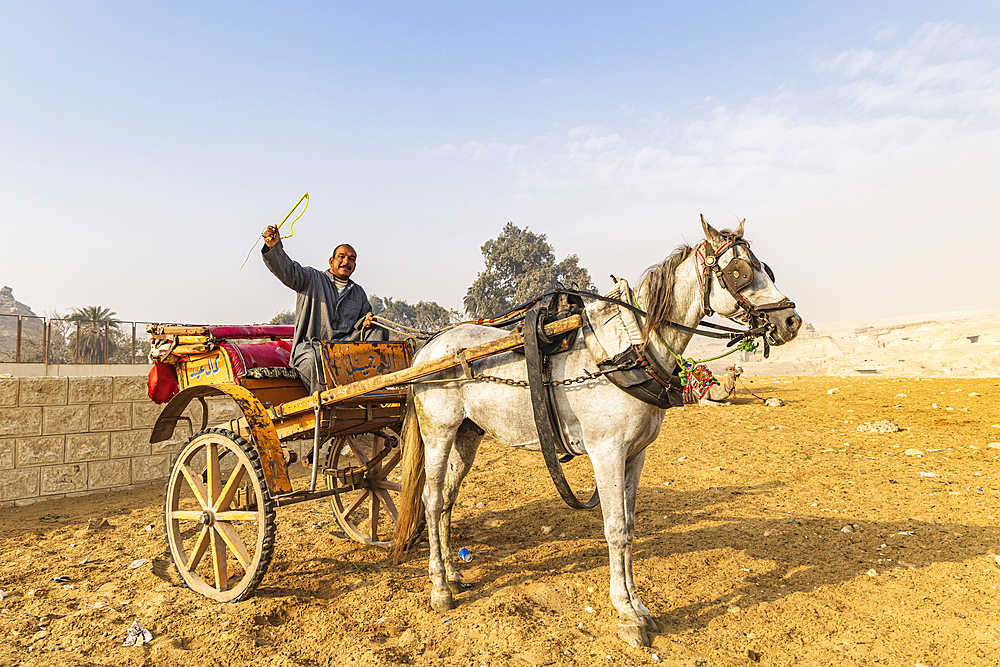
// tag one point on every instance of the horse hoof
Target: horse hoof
(635, 635)
(442, 602)
(457, 585)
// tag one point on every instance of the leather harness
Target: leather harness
(736, 277)
(546, 418)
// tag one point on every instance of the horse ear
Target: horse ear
(713, 236)
(739, 230)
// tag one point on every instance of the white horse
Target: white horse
(446, 420)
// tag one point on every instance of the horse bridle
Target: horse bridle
(736, 277)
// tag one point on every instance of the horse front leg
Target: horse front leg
(611, 482)
(633, 471)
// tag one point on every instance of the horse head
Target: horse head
(740, 287)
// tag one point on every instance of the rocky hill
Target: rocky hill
(11, 306)
(31, 330)
(959, 344)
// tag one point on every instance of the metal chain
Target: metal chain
(558, 383)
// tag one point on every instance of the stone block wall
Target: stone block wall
(62, 436)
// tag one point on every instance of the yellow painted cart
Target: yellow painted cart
(229, 478)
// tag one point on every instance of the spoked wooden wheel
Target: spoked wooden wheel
(365, 467)
(219, 516)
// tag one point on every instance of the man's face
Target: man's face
(343, 261)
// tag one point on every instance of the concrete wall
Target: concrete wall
(58, 370)
(63, 436)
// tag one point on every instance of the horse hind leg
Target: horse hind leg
(460, 461)
(436, 454)
(447, 461)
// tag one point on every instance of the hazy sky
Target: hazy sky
(144, 146)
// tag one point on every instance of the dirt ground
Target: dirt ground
(771, 536)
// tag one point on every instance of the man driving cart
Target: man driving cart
(329, 306)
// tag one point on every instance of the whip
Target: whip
(291, 227)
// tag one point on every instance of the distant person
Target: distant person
(329, 305)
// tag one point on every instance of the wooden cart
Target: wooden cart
(228, 478)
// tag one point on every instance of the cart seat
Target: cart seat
(344, 361)
(248, 359)
(263, 369)
(272, 331)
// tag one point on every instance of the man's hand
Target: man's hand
(368, 320)
(271, 236)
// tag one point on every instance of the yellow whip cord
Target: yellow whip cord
(291, 227)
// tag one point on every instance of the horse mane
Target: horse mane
(659, 282)
(659, 290)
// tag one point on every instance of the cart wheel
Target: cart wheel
(366, 508)
(219, 516)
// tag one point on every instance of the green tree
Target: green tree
(94, 335)
(520, 265)
(283, 317)
(425, 315)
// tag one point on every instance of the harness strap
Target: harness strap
(546, 419)
(648, 382)
(734, 337)
(460, 356)
(709, 258)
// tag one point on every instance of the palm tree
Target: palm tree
(91, 341)
(470, 303)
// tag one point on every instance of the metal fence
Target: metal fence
(26, 339)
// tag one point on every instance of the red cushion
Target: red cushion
(245, 356)
(254, 331)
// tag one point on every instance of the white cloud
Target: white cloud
(444, 150)
(940, 86)
(941, 71)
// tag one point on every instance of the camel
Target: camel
(702, 388)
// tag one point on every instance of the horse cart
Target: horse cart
(229, 478)
(599, 394)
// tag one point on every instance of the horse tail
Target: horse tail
(411, 504)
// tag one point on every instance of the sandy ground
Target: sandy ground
(772, 536)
